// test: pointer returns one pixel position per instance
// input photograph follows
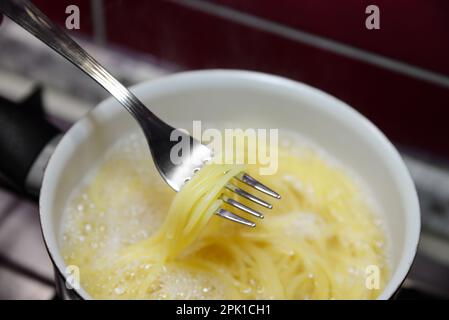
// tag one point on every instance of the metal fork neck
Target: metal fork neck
(34, 21)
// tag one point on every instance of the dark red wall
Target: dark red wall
(411, 111)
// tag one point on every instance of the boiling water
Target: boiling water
(124, 201)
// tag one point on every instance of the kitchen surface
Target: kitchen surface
(26, 65)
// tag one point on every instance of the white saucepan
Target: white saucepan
(244, 99)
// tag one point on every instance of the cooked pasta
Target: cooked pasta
(134, 238)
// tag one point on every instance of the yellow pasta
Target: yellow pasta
(134, 238)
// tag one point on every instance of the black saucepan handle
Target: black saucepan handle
(24, 132)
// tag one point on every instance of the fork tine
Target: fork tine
(248, 196)
(250, 181)
(235, 218)
(241, 206)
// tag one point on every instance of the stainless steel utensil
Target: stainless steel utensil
(156, 131)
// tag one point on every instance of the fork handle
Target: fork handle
(34, 21)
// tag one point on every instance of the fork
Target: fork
(156, 131)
